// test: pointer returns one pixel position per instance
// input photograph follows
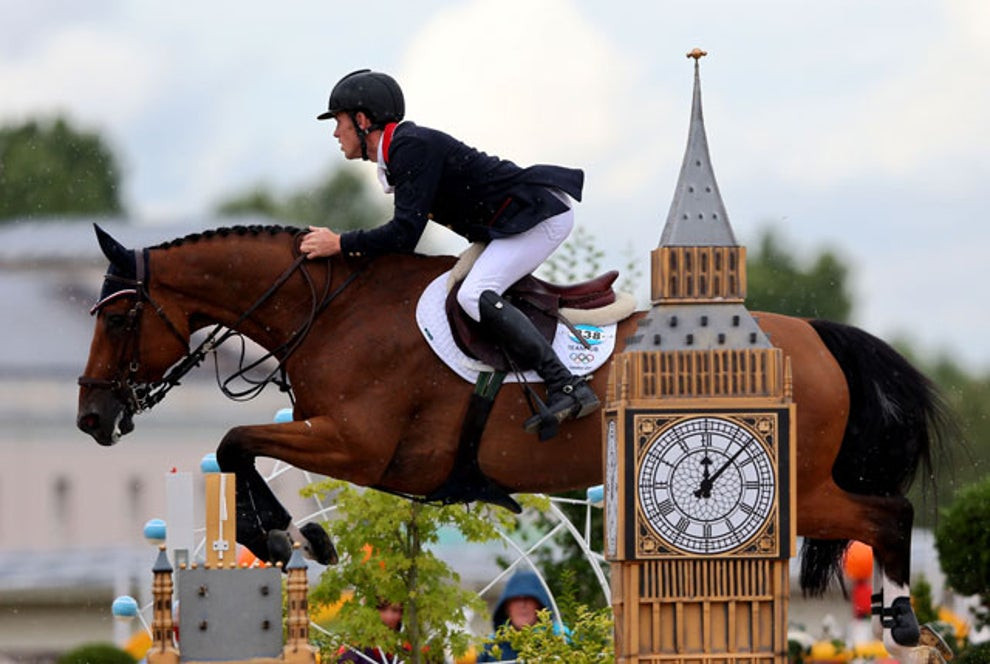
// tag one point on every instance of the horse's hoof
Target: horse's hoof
(904, 629)
(318, 544)
(279, 547)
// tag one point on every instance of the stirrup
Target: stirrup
(573, 401)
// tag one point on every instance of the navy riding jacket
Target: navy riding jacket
(481, 197)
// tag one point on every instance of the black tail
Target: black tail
(897, 422)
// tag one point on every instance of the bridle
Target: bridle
(137, 396)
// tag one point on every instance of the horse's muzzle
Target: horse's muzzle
(102, 416)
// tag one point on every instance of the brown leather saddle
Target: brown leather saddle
(540, 300)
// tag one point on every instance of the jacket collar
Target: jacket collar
(387, 140)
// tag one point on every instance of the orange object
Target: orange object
(245, 558)
(858, 562)
(470, 657)
(138, 645)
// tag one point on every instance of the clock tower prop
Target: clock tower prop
(699, 425)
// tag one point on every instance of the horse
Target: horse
(373, 405)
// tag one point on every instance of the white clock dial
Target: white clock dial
(706, 485)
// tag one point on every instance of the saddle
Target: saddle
(541, 301)
(545, 304)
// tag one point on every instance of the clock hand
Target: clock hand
(705, 489)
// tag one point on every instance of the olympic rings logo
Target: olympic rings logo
(583, 358)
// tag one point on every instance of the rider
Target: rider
(523, 214)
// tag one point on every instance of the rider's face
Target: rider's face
(346, 134)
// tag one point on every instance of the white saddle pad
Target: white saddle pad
(431, 317)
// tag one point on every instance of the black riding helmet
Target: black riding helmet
(376, 94)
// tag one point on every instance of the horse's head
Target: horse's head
(135, 341)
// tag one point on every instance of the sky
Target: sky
(857, 127)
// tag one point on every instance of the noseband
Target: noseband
(137, 396)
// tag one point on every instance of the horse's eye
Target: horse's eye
(115, 322)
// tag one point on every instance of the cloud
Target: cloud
(544, 83)
(85, 70)
(532, 81)
(922, 119)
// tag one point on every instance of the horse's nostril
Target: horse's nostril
(89, 422)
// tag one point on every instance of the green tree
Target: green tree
(341, 201)
(384, 542)
(96, 653)
(777, 282)
(589, 638)
(53, 169)
(962, 538)
(978, 654)
(921, 601)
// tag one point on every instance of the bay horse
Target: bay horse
(374, 406)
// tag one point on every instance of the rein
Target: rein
(139, 396)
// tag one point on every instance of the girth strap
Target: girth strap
(467, 482)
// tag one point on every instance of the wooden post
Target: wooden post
(221, 520)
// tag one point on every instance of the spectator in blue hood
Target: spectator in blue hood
(518, 605)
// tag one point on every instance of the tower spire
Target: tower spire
(699, 270)
(697, 214)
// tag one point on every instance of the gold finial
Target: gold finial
(697, 54)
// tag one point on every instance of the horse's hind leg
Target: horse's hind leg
(893, 619)
(884, 523)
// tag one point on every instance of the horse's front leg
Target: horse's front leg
(263, 524)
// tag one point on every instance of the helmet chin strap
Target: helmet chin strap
(362, 134)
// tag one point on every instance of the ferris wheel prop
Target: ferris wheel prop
(179, 531)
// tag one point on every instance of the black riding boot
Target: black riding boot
(567, 395)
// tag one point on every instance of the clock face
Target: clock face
(706, 485)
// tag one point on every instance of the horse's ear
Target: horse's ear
(114, 251)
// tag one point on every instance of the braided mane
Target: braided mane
(227, 231)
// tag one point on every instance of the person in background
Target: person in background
(391, 615)
(521, 599)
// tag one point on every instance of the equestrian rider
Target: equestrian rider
(523, 214)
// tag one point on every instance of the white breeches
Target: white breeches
(507, 260)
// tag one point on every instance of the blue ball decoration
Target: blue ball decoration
(209, 463)
(124, 607)
(596, 494)
(154, 531)
(283, 415)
